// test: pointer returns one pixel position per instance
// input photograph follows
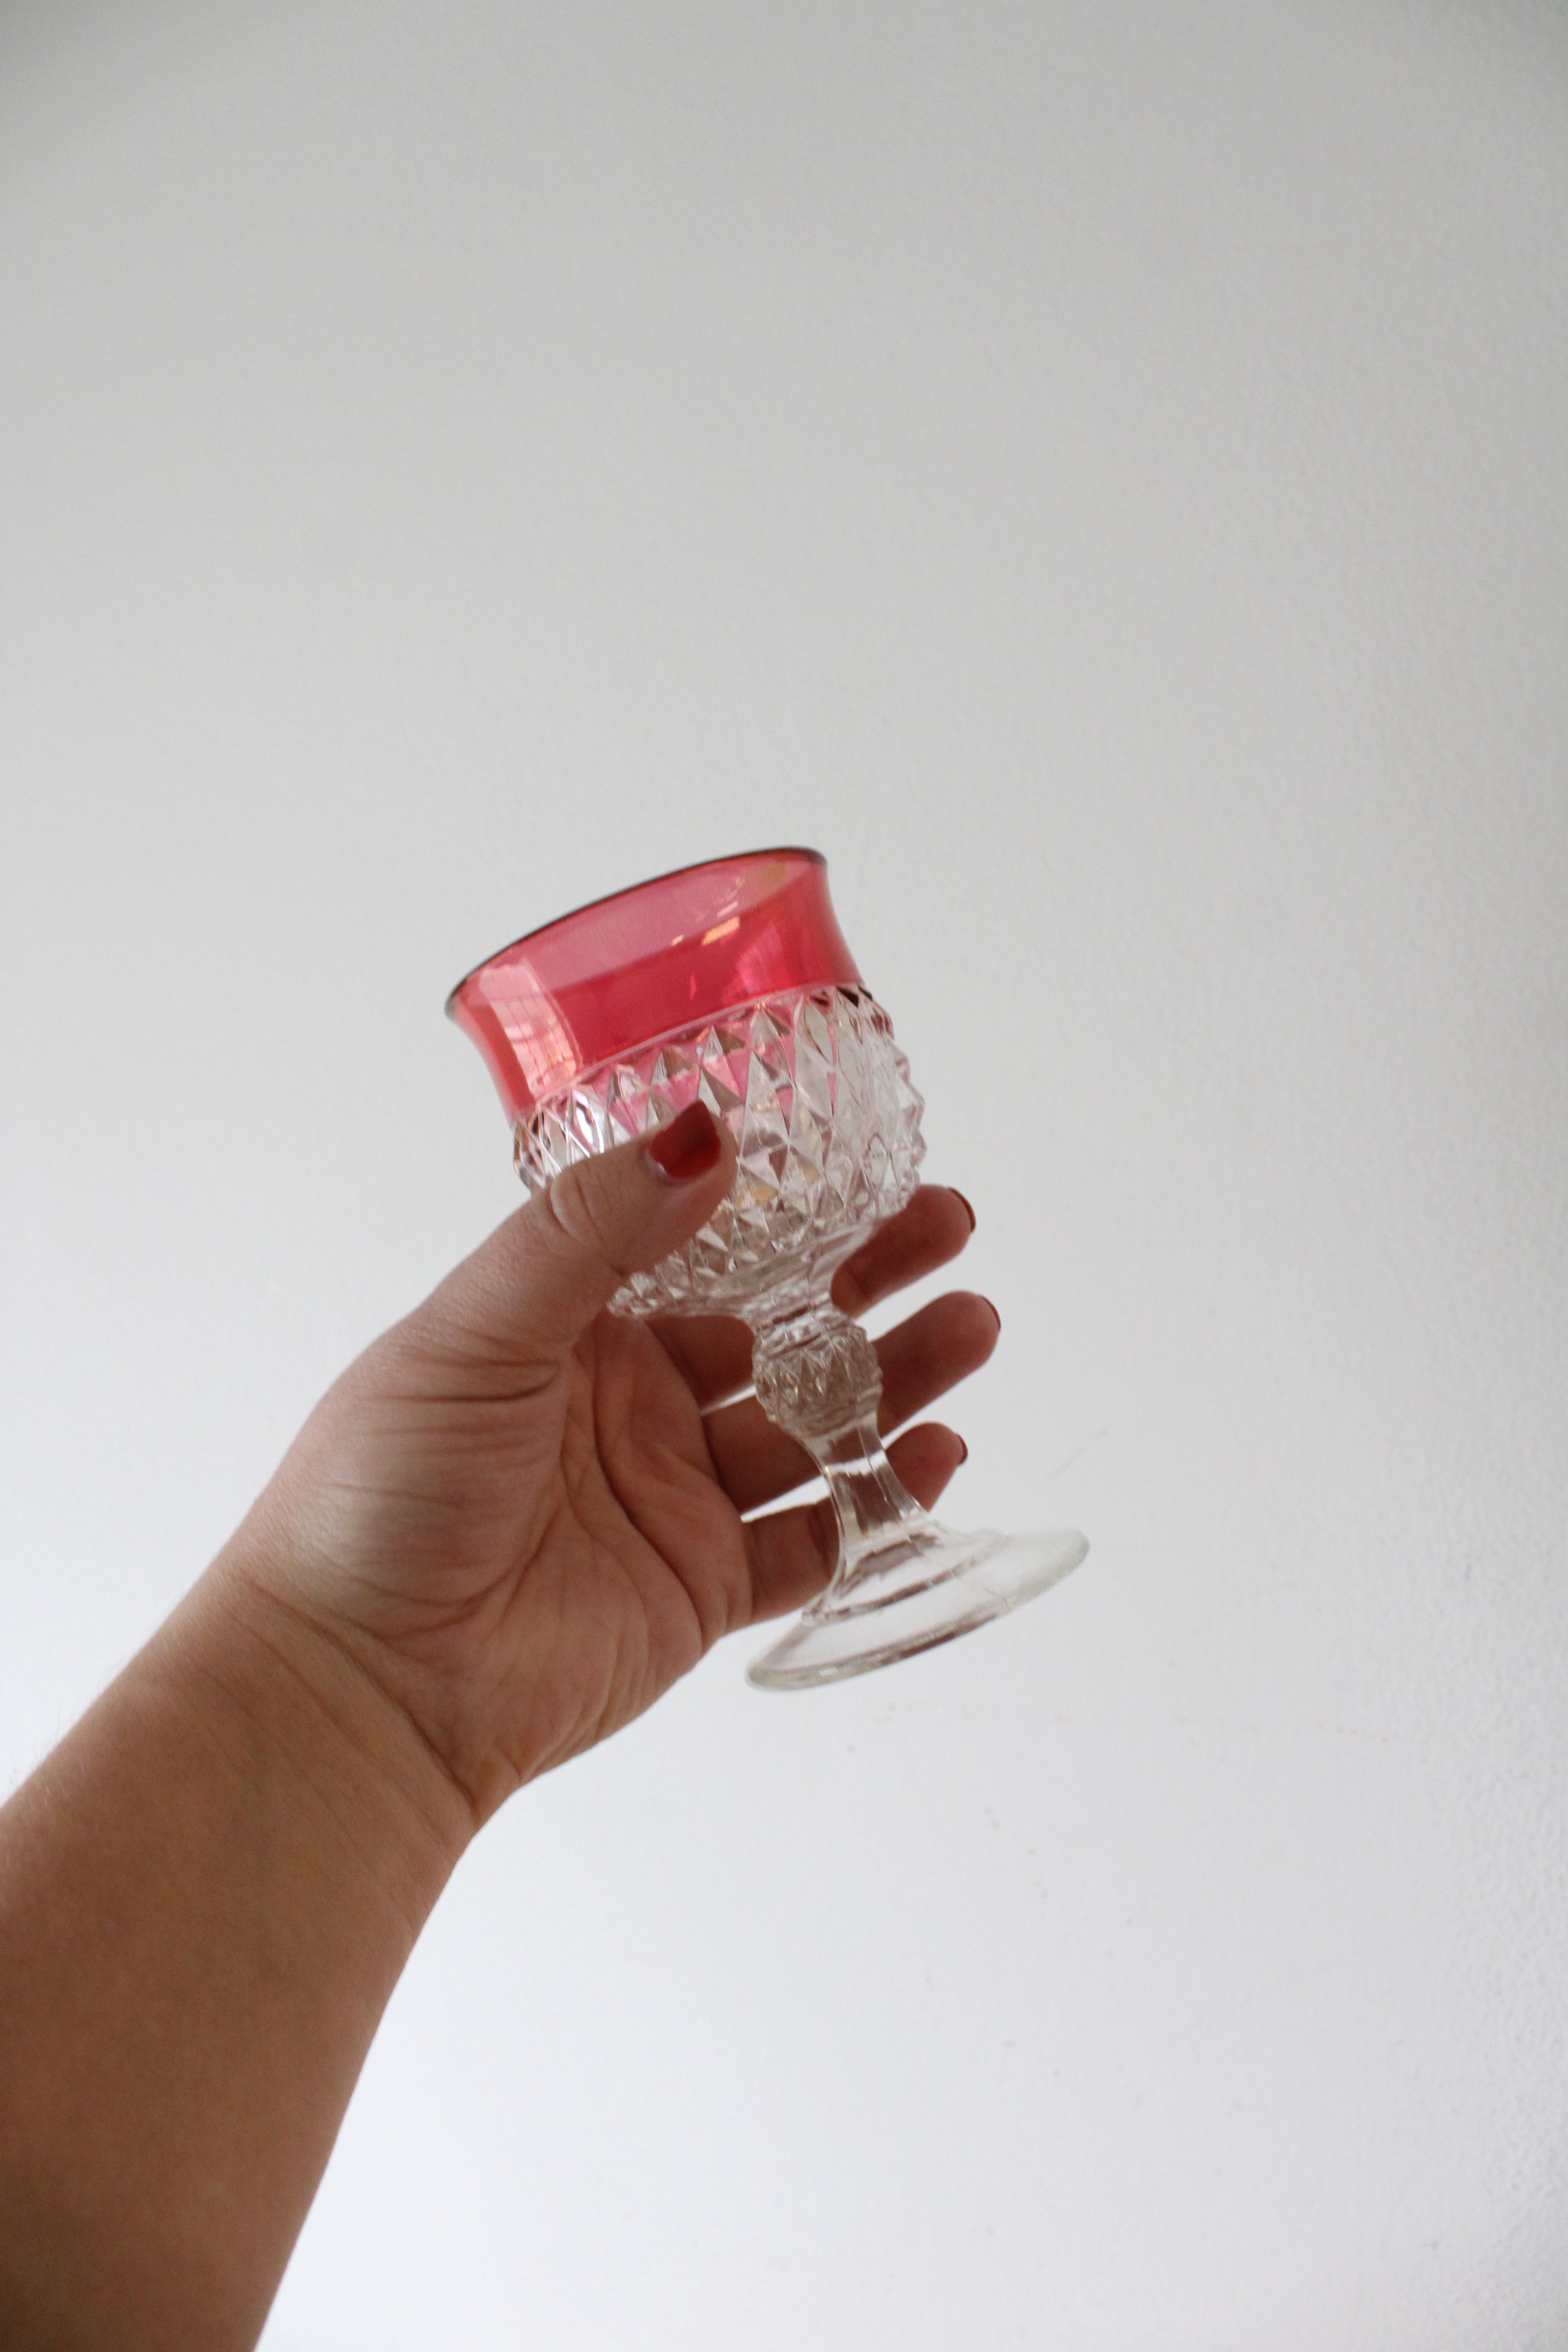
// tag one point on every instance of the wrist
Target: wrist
(293, 1699)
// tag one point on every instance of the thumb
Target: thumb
(527, 1294)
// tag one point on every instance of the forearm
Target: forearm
(208, 1893)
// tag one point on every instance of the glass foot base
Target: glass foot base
(917, 1592)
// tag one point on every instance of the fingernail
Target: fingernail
(962, 1451)
(688, 1147)
(967, 1210)
(991, 1304)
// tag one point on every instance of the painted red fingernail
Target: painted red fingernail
(688, 1147)
(967, 1210)
(962, 1451)
(991, 1304)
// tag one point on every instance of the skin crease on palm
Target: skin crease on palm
(530, 1544)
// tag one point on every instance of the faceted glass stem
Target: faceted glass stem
(817, 1376)
(879, 1520)
(903, 1582)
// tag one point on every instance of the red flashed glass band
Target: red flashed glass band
(666, 955)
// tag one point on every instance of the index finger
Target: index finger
(929, 1230)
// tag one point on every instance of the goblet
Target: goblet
(729, 983)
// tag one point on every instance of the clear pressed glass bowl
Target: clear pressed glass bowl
(729, 983)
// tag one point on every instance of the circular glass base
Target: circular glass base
(913, 1595)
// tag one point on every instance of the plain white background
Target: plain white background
(1099, 472)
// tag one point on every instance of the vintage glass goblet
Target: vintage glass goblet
(729, 983)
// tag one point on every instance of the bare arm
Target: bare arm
(207, 1896)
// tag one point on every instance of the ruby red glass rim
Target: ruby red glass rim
(630, 890)
(642, 964)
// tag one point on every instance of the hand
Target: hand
(526, 1516)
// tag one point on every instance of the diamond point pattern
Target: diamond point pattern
(817, 1096)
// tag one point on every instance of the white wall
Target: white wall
(1100, 472)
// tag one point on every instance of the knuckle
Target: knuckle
(580, 1207)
